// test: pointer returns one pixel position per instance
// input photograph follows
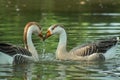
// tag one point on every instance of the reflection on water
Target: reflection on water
(5, 70)
(59, 70)
(80, 27)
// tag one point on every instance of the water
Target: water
(81, 27)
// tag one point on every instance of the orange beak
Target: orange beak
(48, 34)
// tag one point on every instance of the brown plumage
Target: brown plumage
(91, 51)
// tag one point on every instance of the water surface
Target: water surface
(81, 27)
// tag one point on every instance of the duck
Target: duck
(12, 54)
(94, 51)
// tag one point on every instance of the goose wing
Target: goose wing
(104, 45)
(22, 59)
(85, 50)
(97, 47)
(12, 50)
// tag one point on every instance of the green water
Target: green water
(83, 20)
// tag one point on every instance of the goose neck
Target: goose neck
(29, 44)
(61, 49)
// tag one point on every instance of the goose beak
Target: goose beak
(48, 34)
(41, 36)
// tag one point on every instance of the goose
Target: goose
(12, 54)
(94, 51)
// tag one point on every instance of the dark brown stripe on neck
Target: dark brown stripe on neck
(26, 30)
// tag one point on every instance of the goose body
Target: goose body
(11, 54)
(92, 51)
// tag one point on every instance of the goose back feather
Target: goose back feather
(97, 47)
(11, 50)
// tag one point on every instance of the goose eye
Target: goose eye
(54, 27)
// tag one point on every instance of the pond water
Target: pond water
(81, 27)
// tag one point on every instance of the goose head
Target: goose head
(34, 28)
(37, 30)
(54, 29)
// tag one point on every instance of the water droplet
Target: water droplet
(82, 2)
(101, 5)
(17, 9)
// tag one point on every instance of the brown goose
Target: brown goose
(93, 51)
(12, 54)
